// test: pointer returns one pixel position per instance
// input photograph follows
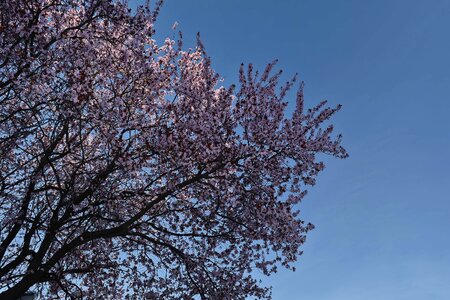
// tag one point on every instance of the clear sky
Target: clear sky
(383, 215)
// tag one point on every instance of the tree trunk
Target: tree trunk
(18, 290)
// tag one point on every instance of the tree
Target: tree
(127, 172)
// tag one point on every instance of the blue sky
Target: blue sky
(382, 216)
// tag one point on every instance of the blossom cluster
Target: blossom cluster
(128, 172)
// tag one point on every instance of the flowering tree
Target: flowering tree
(126, 172)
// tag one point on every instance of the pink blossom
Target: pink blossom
(127, 172)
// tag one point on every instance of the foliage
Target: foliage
(127, 172)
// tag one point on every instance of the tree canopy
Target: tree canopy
(128, 172)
